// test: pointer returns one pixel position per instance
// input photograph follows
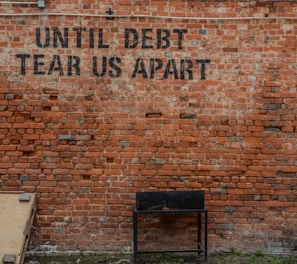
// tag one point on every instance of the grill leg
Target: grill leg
(135, 230)
(205, 237)
(199, 233)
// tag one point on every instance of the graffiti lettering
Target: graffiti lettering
(146, 67)
(73, 62)
(179, 69)
(60, 39)
(150, 39)
(113, 62)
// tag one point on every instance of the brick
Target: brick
(24, 197)
(66, 137)
(9, 259)
(9, 96)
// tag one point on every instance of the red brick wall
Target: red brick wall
(211, 106)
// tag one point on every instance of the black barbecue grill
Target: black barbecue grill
(172, 202)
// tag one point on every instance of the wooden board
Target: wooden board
(16, 219)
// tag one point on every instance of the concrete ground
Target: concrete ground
(230, 258)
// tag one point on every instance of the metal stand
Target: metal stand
(201, 247)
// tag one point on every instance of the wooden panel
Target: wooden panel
(16, 219)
